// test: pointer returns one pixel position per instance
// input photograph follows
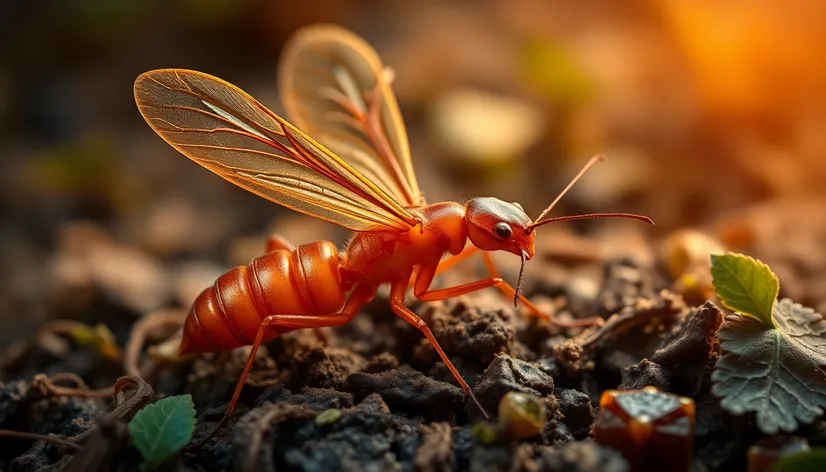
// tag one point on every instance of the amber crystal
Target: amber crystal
(652, 429)
(769, 450)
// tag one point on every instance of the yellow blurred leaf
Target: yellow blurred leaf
(99, 338)
(550, 68)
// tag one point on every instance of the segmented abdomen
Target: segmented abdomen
(300, 282)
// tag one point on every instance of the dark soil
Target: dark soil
(400, 407)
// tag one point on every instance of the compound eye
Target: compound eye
(502, 230)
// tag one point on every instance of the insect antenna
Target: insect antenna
(540, 222)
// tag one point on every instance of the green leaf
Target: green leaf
(807, 461)
(485, 432)
(773, 372)
(328, 416)
(163, 428)
(745, 285)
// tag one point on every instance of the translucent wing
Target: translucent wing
(334, 86)
(227, 131)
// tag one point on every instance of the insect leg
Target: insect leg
(360, 296)
(509, 292)
(276, 242)
(397, 305)
(450, 262)
(425, 277)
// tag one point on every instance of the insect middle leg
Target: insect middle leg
(397, 305)
(449, 262)
(358, 298)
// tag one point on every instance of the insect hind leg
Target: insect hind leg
(360, 296)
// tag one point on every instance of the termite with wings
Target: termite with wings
(344, 159)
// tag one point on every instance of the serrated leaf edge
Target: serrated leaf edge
(758, 263)
(796, 343)
(138, 421)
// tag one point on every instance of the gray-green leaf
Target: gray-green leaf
(163, 428)
(767, 372)
(745, 284)
(805, 328)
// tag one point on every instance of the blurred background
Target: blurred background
(712, 114)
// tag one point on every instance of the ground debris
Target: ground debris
(78, 419)
(577, 410)
(506, 374)
(721, 440)
(637, 376)
(624, 282)
(411, 391)
(107, 447)
(583, 456)
(465, 329)
(258, 432)
(694, 339)
(638, 326)
(436, 451)
(366, 437)
(318, 399)
(692, 348)
(381, 362)
(495, 458)
(326, 367)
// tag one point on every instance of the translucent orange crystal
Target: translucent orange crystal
(652, 429)
(767, 451)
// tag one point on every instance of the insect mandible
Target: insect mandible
(345, 160)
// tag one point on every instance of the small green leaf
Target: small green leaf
(806, 461)
(328, 416)
(485, 432)
(745, 285)
(163, 428)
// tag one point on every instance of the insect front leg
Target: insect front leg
(449, 262)
(509, 292)
(360, 297)
(425, 276)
